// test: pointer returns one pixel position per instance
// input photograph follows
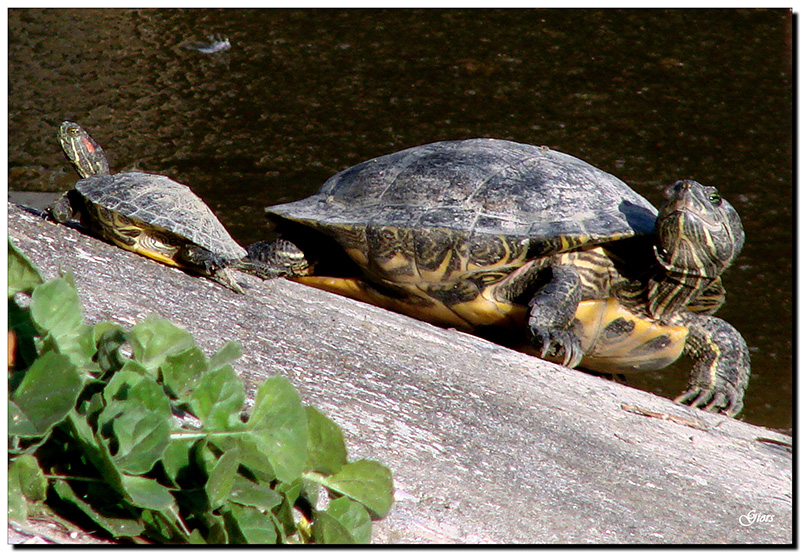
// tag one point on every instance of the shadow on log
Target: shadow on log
(487, 445)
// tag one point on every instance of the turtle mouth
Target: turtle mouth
(688, 200)
(686, 206)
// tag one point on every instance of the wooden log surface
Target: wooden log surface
(487, 445)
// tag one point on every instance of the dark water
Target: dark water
(648, 95)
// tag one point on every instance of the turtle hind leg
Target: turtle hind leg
(62, 210)
(211, 265)
(280, 258)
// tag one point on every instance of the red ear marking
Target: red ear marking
(88, 145)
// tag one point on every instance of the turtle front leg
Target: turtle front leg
(280, 258)
(212, 265)
(552, 311)
(721, 369)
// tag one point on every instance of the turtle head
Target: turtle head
(86, 155)
(699, 233)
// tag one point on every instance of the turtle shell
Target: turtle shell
(159, 202)
(530, 196)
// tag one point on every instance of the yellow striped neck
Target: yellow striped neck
(672, 289)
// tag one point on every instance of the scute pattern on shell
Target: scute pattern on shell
(163, 203)
(480, 187)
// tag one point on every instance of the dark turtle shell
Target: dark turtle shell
(163, 204)
(550, 201)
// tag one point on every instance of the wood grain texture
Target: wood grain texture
(486, 444)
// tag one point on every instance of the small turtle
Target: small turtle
(493, 236)
(145, 213)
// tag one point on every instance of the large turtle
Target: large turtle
(145, 213)
(481, 234)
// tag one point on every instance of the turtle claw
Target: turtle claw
(573, 354)
(544, 350)
(722, 401)
(558, 343)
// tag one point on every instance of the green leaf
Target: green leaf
(26, 484)
(177, 457)
(56, 308)
(22, 275)
(195, 537)
(165, 525)
(92, 407)
(133, 366)
(250, 472)
(146, 493)
(251, 455)
(17, 504)
(329, 530)
(254, 526)
(226, 355)
(343, 522)
(133, 384)
(109, 337)
(140, 415)
(45, 396)
(18, 422)
(366, 481)
(217, 532)
(33, 483)
(142, 439)
(249, 493)
(279, 428)
(117, 526)
(283, 529)
(182, 372)
(291, 490)
(327, 451)
(78, 345)
(354, 517)
(56, 312)
(156, 338)
(218, 399)
(286, 520)
(311, 490)
(69, 277)
(95, 449)
(220, 480)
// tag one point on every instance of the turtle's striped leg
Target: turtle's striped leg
(275, 259)
(721, 366)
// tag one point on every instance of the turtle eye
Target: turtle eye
(714, 198)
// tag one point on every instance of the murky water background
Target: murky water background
(648, 95)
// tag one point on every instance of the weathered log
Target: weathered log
(486, 444)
